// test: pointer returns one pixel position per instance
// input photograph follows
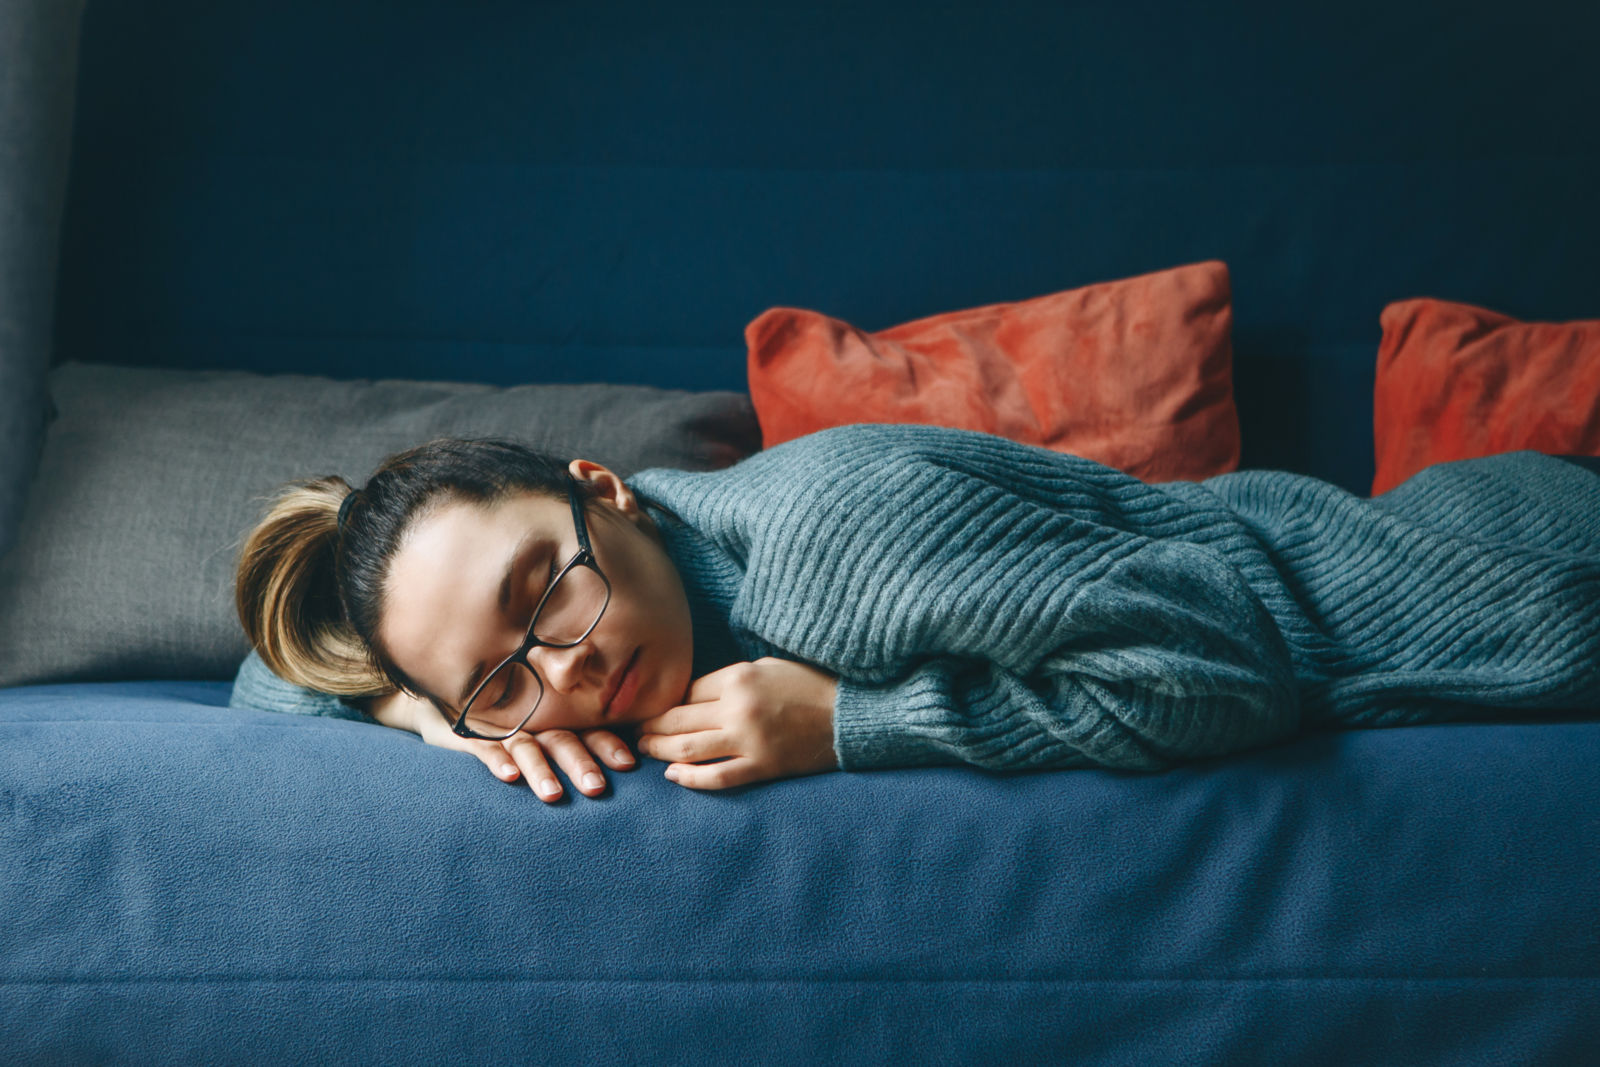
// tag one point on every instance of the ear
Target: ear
(606, 485)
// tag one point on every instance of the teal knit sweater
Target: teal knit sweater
(1002, 605)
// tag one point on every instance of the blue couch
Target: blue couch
(514, 192)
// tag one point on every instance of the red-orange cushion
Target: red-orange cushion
(1137, 374)
(1456, 381)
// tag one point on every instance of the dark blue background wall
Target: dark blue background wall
(531, 194)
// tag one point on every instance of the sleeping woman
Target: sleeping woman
(893, 596)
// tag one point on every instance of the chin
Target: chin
(667, 690)
(648, 708)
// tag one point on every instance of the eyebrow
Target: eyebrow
(529, 542)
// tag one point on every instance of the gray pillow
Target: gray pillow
(150, 479)
(38, 57)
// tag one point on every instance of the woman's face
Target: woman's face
(462, 588)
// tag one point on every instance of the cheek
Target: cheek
(656, 614)
(647, 589)
(657, 619)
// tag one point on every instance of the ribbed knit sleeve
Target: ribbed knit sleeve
(256, 687)
(1142, 677)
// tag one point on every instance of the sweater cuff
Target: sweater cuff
(872, 726)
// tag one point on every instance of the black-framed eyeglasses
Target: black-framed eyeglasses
(567, 613)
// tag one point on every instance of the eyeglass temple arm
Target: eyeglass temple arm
(575, 498)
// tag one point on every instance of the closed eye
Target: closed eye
(538, 593)
(549, 576)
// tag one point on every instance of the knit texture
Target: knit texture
(255, 686)
(1011, 607)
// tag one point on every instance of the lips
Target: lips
(624, 685)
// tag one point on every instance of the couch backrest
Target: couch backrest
(514, 191)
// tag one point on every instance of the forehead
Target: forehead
(442, 591)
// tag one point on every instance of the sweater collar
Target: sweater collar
(710, 579)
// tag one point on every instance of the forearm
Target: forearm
(397, 710)
(1169, 656)
(952, 711)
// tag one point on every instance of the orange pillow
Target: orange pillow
(1456, 381)
(1137, 374)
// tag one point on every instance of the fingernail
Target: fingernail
(672, 774)
(508, 770)
(549, 788)
(593, 781)
(622, 755)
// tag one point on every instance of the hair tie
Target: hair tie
(344, 508)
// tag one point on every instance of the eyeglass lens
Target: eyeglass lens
(511, 694)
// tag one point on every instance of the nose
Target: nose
(562, 668)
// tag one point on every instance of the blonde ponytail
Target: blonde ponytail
(287, 597)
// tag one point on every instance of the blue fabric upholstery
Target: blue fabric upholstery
(1404, 896)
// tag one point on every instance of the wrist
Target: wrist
(396, 710)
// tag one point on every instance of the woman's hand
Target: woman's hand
(525, 754)
(772, 718)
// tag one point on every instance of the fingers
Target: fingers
(687, 748)
(611, 749)
(575, 759)
(710, 686)
(574, 755)
(530, 758)
(684, 719)
(741, 770)
(491, 753)
(435, 731)
(685, 755)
